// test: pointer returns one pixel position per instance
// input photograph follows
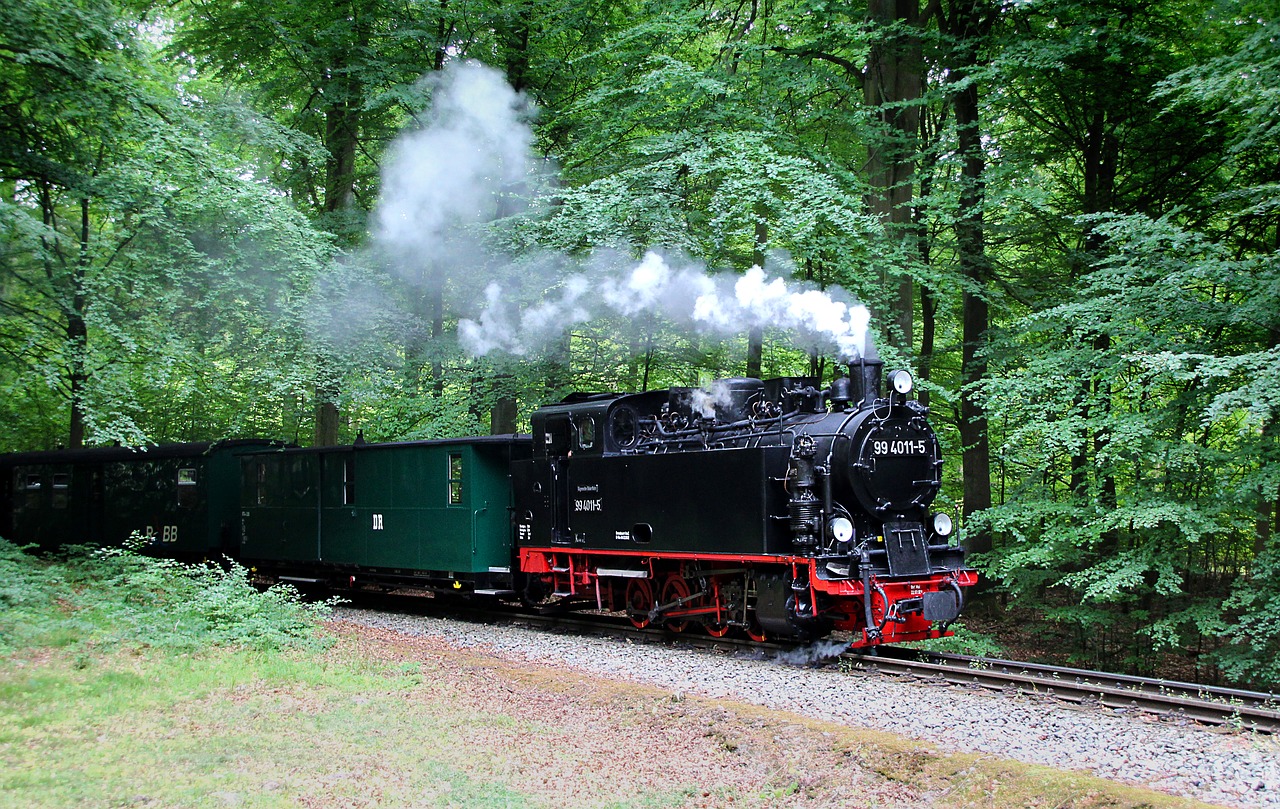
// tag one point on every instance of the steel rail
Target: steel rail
(1170, 699)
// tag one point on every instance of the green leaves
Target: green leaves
(142, 228)
(1142, 416)
(116, 596)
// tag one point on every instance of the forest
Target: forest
(407, 219)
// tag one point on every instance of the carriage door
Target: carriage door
(557, 444)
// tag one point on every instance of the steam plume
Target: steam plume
(465, 166)
(720, 304)
(472, 162)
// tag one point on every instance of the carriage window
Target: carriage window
(348, 480)
(455, 480)
(262, 483)
(300, 479)
(61, 488)
(586, 433)
(32, 486)
(187, 492)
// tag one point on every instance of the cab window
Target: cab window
(586, 430)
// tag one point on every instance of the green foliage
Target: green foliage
(964, 641)
(1252, 628)
(145, 265)
(1147, 476)
(117, 597)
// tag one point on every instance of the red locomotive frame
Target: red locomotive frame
(689, 589)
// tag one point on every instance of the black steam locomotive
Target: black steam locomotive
(773, 507)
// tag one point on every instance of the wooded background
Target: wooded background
(1064, 214)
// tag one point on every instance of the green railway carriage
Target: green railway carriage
(433, 513)
(181, 498)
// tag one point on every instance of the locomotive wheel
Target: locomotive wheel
(675, 589)
(717, 630)
(639, 602)
(755, 631)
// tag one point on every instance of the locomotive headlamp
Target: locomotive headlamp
(902, 381)
(840, 528)
(942, 524)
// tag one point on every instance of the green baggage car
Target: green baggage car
(426, 513)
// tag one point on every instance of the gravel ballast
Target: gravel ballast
(1230, 768)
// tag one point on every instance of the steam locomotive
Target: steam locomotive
(776, 508)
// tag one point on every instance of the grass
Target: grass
(229, 728)
(130, 681)
(113, 692)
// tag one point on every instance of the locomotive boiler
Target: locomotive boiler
(774, 506)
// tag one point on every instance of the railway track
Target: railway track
(1166, 699)
(1169, 699)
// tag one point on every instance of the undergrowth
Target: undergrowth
(114, 597)
(964, 642)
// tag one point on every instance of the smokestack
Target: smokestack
(864, 374)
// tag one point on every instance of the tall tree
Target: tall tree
(121, 211)
(342, 73)
(966, 27)
(892, 85)
(1236, 89)
(1121, 522)
(68, 107)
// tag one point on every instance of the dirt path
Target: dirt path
(570, 739)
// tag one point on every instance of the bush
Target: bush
(963, 642)
(119, 596)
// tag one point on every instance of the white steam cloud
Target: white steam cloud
(466, 166)
(813, 654)
(720, 304)
(472, 163)
(704, 401)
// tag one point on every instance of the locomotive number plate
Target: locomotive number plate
(916, 446)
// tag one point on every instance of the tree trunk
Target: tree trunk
(327, 418)
(78, 333)
(928, 301)
(514, 33)
(503, 414)
(436, 303)
(971, 22)
(1101, 156)
(345, 93)
(892, 84)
